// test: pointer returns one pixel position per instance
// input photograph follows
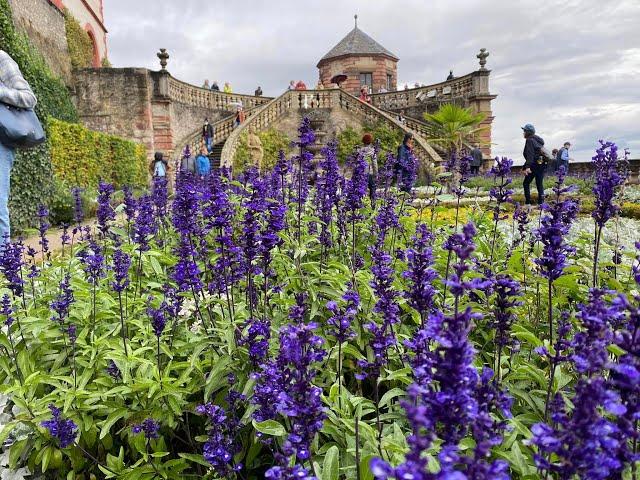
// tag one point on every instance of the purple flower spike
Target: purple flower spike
(149, 427)
(64, 431)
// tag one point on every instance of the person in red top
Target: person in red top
(301, 85)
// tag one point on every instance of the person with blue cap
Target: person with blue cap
(534, 163)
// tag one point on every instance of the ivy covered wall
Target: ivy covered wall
(31, 176)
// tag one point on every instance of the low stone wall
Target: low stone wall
(585, 169)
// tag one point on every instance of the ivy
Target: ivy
(78, 41)
(31, 174)
(83, 157)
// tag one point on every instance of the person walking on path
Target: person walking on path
(214, 86)
(14, 91)
(159, 165)
(368, 152)
(206, 84)
(404, 169)
(258, 92)
(476, 160)
(207, 134)
(292, 85)
(563, 155)
(227, 88)
(534, 163)
(203, 165)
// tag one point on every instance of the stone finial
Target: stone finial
(163, 56)
(482, 56)
(355, 17)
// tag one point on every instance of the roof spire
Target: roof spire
(355, 17)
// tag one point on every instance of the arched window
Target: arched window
(96, 53)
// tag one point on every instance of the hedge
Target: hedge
(272, 142)
(82, 157)
(31, 175)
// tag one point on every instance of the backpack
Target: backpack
(545, 154)
(559, 155)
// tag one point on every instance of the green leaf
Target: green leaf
(111, 420)
(199, 459)
(390, 395)
(331, 464)
(270, 427)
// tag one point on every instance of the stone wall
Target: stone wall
(116, 101)
(43, 23)
(352, 66)
(186, 117)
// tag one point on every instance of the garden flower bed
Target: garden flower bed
(277, 327)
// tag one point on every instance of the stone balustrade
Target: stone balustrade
(461, 87)
(334, 98)
(182, 92)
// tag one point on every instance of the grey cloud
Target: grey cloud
(570, 67)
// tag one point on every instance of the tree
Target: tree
(454, 126)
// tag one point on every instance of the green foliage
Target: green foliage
(167, 379)
(82, 157)
(106, 63)
(31, 174)
(272, 142)
(454, 126)
(62, 205)
(349, 139)
(78, 41)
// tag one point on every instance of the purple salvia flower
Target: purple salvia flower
(129, 203)
(63, 301)
(222, 444)
(93, 260)
(43, 226)
(341, 320)
(105, 213)
(160, 195)
(63, 430)
(356, 187)
(258, 333)
(78, 211)
(421, 276)
(121, 264)
(72, 332)
(382, 336)
(11, 261)
(554, 228)
(609, 176)
(6, 310)
(158, 318)
(113, 370)
(145, 224)
(149, 427)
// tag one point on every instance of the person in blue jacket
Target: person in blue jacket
(203, 165)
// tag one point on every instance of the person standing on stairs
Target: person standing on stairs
(214, 86)
(227, 88)
(207, 134)
(14, 91)
(258, 92)
(159, 165)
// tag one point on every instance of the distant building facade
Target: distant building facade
(90, 15)
(43, 22)
(364, 62)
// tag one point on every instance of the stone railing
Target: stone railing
(461, 87)
(222, 129)
(334, 98)
(182, 92)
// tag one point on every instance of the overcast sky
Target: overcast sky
(570, 67)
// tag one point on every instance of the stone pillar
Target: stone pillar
(480, 102)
